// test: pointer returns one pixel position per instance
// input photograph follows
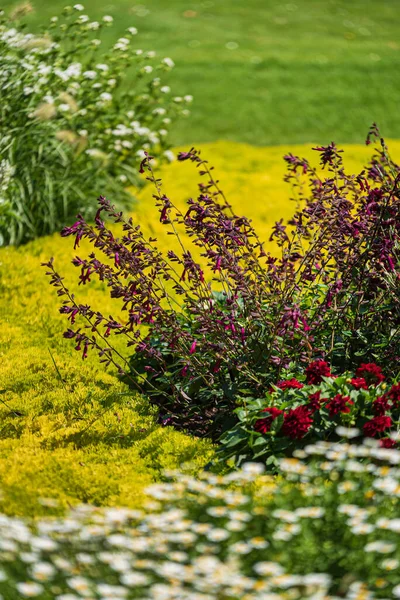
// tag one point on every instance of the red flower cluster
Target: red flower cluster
(264, 425)
(297, 422)
(377, 425)
(290, 384)
(371, 373)
(359, 383)
(339, 404)
(394, 394)
(380, 405)
(387, 443)
(317, 370)
(314, 402)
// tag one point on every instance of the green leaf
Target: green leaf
(260, 441)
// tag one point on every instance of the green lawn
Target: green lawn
(296, 71)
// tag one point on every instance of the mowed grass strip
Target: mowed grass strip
(264, 71)
(68, 429)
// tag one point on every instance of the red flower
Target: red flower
(380, 405)
(314, 402)
(316, 370)
(387, 443)
(289, 384)
(394, 394)
(297, 422)
(371, 373)
(264, 425)
(339, 404)
(377, 425)
(359, 383)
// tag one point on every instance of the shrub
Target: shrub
(315, 406)
(74, 119)
(239, 536)
(222, 320)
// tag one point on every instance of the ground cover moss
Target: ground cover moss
(69, 430)
(252, 179)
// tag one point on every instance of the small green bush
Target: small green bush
(221, 318)
(327, 530)
(74, 120)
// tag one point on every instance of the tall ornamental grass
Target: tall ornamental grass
(74, 118)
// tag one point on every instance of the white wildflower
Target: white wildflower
(391, 524)
(347, 432)
(79, 584)
(285, 515)
(380, 546)
(259, 543)
(132, 579)
(241, 548)
(313, 512)
(168, 62)
(90, 74)
(79, 7)
(362, 529)
(29, 589)
(169, 155)
(108, 19)
(252, 468)
(114, 591)
(317, 579)
(43, 543)
(28, 557)
(266, 569)
(217, 535)
(390, 564)
(120, 46)
(43, 571)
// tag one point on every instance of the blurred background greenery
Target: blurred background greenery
(266, 71)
